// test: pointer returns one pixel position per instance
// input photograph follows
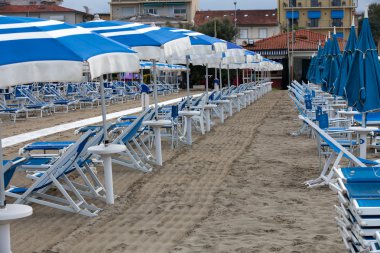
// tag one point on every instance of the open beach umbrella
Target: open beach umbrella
(363, 81)
(204, 50)
(51, 51)
(38, 50)
(348, 53)
(152, 43)
(332, 64)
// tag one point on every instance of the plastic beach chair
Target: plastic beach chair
(337, 153)
(56, 176)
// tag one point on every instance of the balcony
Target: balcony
(318, 4)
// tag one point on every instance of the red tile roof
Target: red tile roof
(35, 9)
(305, 40)
(243, 17)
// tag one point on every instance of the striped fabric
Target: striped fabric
(151, 42)
(36, 50)
(202, 46)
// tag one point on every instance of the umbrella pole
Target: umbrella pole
(206, 83)
(188, 81)
(2, 172)
(141, 76)
(154, 67)
(220, 77)
(228, 76)
(104, 113)
(364, 119)
(237, 77)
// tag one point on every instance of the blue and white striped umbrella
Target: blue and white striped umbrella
(50, 51)
(202, 46)
(38, 50)
(151, 42)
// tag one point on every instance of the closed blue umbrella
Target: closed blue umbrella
(316, 75)
(322, 63)
(363, 81)
(348, 53)
(310, 70)
(331, 66)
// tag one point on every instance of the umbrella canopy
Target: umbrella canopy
(202, 46)
(331, 66)
(348, 53)
(151, 42)
(51, 51)
(363, 81)
(38, 50)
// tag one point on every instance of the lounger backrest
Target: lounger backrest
(64, 163)
(331, 142)
(132, 129)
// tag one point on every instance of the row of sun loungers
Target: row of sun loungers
(38, 100)
(355, 180)
(63, 174)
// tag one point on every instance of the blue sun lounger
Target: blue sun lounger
(56, 176)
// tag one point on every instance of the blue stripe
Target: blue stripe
(36, 29)
(58, 49)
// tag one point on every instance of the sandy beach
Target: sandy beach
(237, 189)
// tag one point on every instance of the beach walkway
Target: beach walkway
(237, 189)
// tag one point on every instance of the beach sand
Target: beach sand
(237, 189)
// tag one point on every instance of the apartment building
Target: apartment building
(174, 11)
(251, 25)
(317, 15)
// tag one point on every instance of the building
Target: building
(317, 15)
(30, 2)
(305, 44)
(158, 11)
(50, 12)
(252, 25)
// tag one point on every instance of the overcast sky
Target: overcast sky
(102, 5)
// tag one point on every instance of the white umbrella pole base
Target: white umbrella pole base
(208, 120)
(10, 213)
(144, 100)
(189, 139)
(363, 145)
(157, 143)
(108, 179)
(105, 153)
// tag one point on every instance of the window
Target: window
(179, 11)
(292, 3)
(337, 22)
(314, 3)
(58, 18)
(336, 3)
(263, 33)
(293, 22)
(243, 33)
(314, 22)
(151, 11)
(128, 12)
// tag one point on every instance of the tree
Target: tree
(224, 29)
(374, 20)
